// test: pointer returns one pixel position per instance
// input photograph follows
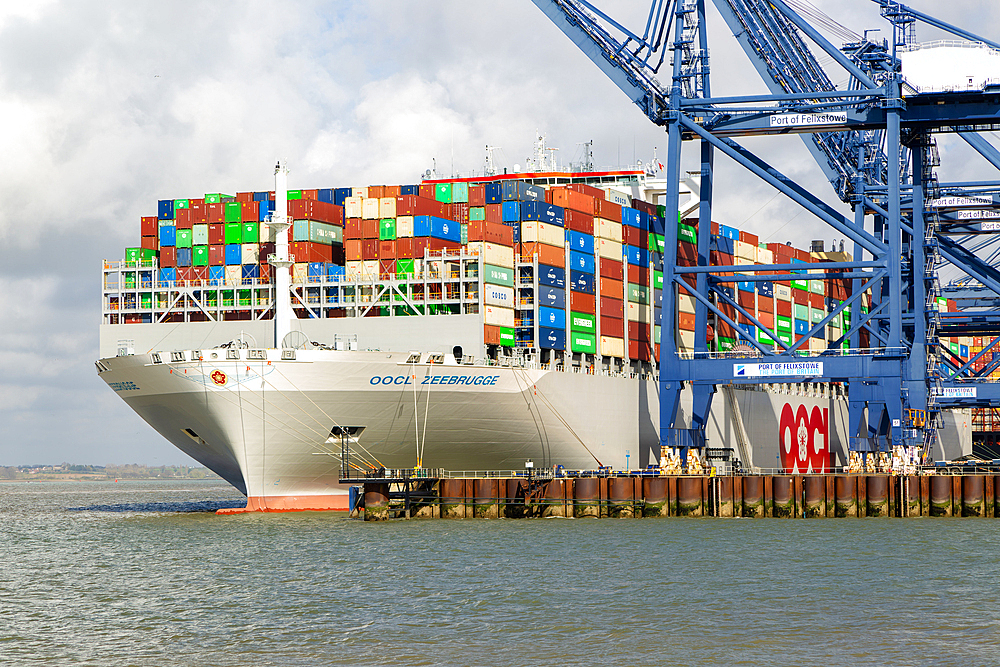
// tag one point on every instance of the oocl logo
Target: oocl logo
(804, 439)
(218, 377)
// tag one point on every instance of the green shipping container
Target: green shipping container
(726, 344)
(783, 323)
(785, 338)
(181, 203)
(954, 347)
(816, 315)
(404, 267)
(459, 193)
(129, 280)
(294, 194)
(199, 255)
(185, 238)
(465, 234)
(657, 279)
(762, 337)
(234, 233)
(498, 275)
(801, 284)
(583, 342)
(387, 229)
(507, 336)
(477, 213)
(146, 301)
(250, 232)
(657, 242)
(234, 211)
(656, 334)
(638, 293)
(817, 287)
(583, 322)
(687, 233)
(213, 197)
(442, 192)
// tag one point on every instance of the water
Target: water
(143, 573)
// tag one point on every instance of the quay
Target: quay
(625, 495)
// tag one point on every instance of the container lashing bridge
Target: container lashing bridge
(874, 141)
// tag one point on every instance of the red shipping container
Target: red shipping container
(264, 250)
(582, 303)
(310, 195)
(244, 197)
(199, 273)
(387, 250)
(579, 222)
(767, 319)
(612, 326)
(250, 210)
(800, 297)
(611, 269)
(611, 287)
(149, 225)
(596, 193)
(197, 213)
(217, 255)
(168, 256)
(685, 321)
(149, 242)
(614, 308)
(638, 331)
(404, 248)
(491, 334)
(369, 249)
(441, 244)
(265, 272)
(216, 212)
(607, 209)
(714, 228)
(747, 237)
(783, 308)
(420, 244)
(765, 304)
(549, 255)
(306, 251)
(352, 250)
(185, 274)
(320, 211)
(632, 236)
(494, 213)
(460, 212)
(639, 350)
(369, 229)
(427, 191)
(641, 205)
(201, 202)
(217, 233)
(477, 195)
(183, 218)
(638, 275)
(481, 230)
(414, 205)
(716, 258)
(747, 300)
(686, 252)
(802, 255)
(573, 200)
(352, 230)
(817, 301)
(386, 268)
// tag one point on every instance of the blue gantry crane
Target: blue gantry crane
(874, 141)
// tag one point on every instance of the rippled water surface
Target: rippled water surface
(144, 573)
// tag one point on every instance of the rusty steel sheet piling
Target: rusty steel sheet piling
(973, 492)
(940, 496)
(876, 495)
(654, 491)
(753, 497)
(587, 497)
(689, 496)
(813, 496)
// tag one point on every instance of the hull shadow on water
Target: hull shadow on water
(189, 507)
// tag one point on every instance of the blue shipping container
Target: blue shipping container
(516, 228)
(801, 327)
(630, 216)
(493, 193)
(334, 271)
(643, 221)
(657, 298)
(409, 190)
(510, 211)
(261, 196)
(522, 191)
(552, 317)
(184, 257)
(340, 194)
(766, 288)
(551, 297)
(315, 270)
(552, 276)
(439, 228)
(580, 241)
(745, 286)
(729, 232)
(216, 274)
(551, 339)
(266, 208)
(581, 282)
(168, 275)
(722, 244)
(657, 260)
(581, 261)
(636, 256)
(234, 254)
(165, 209)
(541, 211)
(251, 271)
(728, 290)
(656, 225)
(325, 194)
(963, 350)
(657, 315)
(168, 236)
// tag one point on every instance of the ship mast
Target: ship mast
(280, 260)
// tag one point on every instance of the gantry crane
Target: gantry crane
(876, 146)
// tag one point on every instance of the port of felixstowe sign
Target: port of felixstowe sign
(798, 119)
(791, 368)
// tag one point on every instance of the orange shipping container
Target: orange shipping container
(477, 195)
(582, 303)
(387, 249)
(573, 200)
(685, 321)
(547, 254)
(607, 209)
(612, 288)
(352, 250)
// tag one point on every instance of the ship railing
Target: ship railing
(755, 354)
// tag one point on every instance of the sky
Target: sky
(106, 107)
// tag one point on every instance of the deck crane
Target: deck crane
(873, 140)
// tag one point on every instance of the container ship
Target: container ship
(282, 337)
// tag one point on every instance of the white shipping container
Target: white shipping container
(764, 256)
(352, 207)
(817, 344)
(638, 312)
(608, 229)
(359, 192)
(369, 269)
(353, 269)
(685, 303)
(618, 197)
(234, 275)
(493, 253)
(541, 232)
(746, 251)
(251, 253)
(609, 249)
(498, 295)
(782, 292)
(300, 272)
(387, 207)
(500, 317)
(369, 209)
(612, 347)
(404, 226)
(685, 340)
